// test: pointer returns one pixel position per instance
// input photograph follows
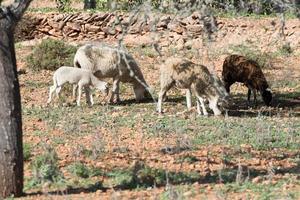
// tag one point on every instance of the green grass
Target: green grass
(262, 132)
(27, 149)
(264, 191)
(45, 169)
(79, 169)
(144, 176)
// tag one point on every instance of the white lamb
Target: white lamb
(187, 75)
(80, 78)
(109, 62)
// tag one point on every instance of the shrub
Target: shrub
(50, 55)
(45, 168)
(81, 170)
(140, 175)
(63, 5)
(264, 59)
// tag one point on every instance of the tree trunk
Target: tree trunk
(11, 152)
(11, 147)
(89, 4)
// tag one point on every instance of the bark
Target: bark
(89, 4)
(11, 151)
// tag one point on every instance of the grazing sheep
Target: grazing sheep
(240, 69)
(108, 62)
(80, 78)
(187, 75)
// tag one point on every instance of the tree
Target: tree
(11, 153)
(89, 4)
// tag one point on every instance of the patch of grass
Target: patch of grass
(188, 159)
(45, 169)
(35, 84)
(27, 149)
(262, 191)
(285, 50)
(141, 175)
(79, 169)
(50, 55)
(262, 58)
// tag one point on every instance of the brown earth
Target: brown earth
(126, 144)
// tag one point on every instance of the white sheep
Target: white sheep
(187, 75)
(80, 78)
(109, 62)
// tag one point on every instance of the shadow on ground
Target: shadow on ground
(283, 104)
(231, 174)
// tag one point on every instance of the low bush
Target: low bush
(45, 168)
(50, 55)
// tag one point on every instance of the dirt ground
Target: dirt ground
(250, 153)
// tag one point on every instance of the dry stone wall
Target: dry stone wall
(99, 25)
(182, 32)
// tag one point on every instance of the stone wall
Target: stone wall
(79, 26)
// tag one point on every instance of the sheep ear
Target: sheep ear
(269, 90)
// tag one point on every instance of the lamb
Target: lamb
(109, 62)
(187, 75)
(238, 68)
(80, 78)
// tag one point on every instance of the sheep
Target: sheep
(187, 75)
(109, 62)
(80, 78)
(238, 68)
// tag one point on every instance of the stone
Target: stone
(74, 26)
(92, 28)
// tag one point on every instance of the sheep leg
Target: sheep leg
(115, 91)
(74, 91)
(89, 96)
(162, 95)
(227, 87)
(57, 91)
(249, 96)
(52, 89)
(79, 89)
(200, 101)
(189, 99)
(213, 104)
(254, 96)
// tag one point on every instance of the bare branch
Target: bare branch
(18, 8)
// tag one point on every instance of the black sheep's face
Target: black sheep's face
(267, 96)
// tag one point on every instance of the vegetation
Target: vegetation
(81, 170)
(127, 148)
(27, 148)
(50, 54)
(45, 169)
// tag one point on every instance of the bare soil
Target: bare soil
(126, 136)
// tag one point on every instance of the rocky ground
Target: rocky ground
(250, 153)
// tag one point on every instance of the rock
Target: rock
(92, 28)
(163, 22)
(54, 24)
(74, 26)
(257, 179)
(58, 17)
(55, 33)
(176, 28)
(196, 29)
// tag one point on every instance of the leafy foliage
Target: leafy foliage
(50, 55)
(141, 175)
(81, 170)
(45, 168)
